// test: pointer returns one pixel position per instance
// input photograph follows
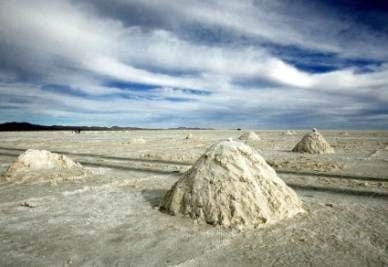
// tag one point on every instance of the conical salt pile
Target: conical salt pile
(41, 165)
(249, 136)
(232, 185)
(189, 136)
(313, 143)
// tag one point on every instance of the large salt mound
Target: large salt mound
(42, 166)
(232, 185)
(249, 136)
(313, 143)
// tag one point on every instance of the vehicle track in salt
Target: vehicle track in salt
(282, 172)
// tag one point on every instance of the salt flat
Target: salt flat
(111, 216)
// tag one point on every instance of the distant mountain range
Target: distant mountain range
(25, 126)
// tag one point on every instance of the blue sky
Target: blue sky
(158, 63)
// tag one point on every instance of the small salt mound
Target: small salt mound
(249, 136)
(189, 136)
(232, 185)
(139, 140)
(41, 165)
(288, 132)
(313, 143)
(34, 159)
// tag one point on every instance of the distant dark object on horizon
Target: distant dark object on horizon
(25, 126)
(238, 129)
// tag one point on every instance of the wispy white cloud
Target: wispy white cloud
(281, 22)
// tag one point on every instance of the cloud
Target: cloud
(298, 23)
(62, 59)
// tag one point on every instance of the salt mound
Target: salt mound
(189, 136)
(313, 143)
(232, 185)
(41, 165)
(139, 140)
(34, 159)
(249, 136)
(288, 132)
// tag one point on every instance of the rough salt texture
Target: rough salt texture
(313, 143)
(41, 165)
(139, 140)
(249, 136)
(232, 185)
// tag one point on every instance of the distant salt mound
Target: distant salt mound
(42, 166)
(249, 136)
(288, 132)
(313, 143)
(189, 136)
(233, 186)
(139, 141)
